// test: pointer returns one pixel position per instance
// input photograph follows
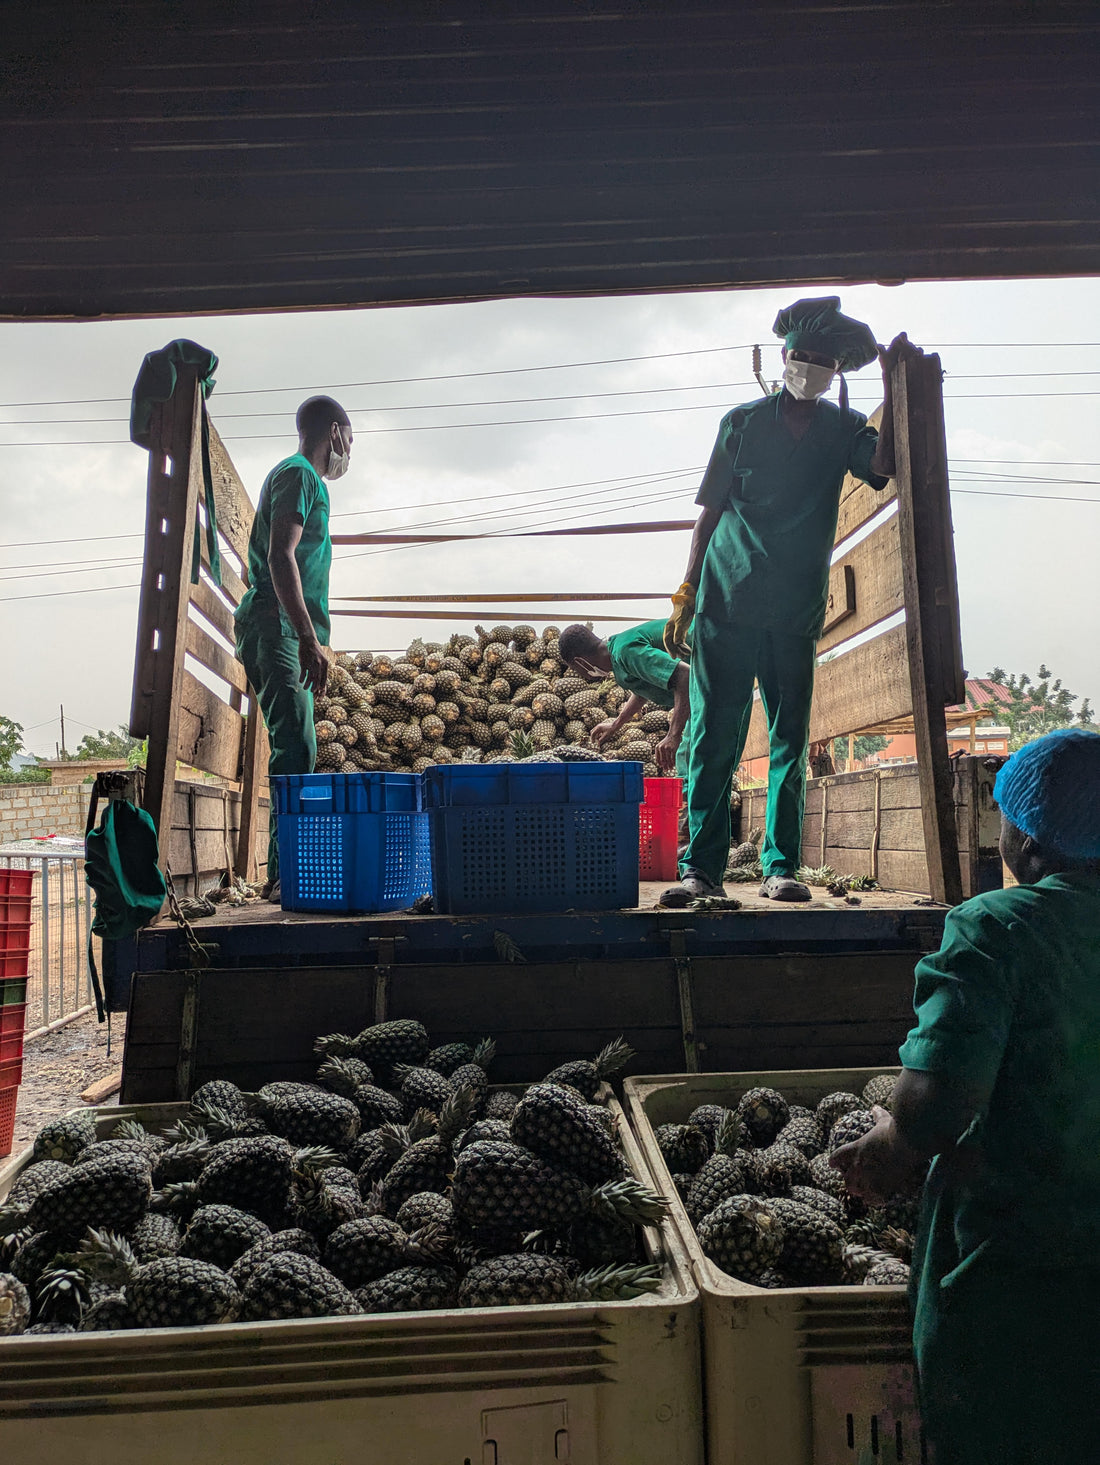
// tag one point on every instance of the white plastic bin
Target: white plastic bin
(794, 1376)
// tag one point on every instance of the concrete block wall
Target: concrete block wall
(30, 809)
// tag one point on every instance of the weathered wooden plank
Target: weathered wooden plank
(159, 672)
(233, 506)
(858, 689)
(931, 603)
(202, 646)
(730, 991)
(216, 612)
(210, 733)
(206, 847)
(232, 585)
(859, 501)
(253, 783)
(901, 870)
(875, 566)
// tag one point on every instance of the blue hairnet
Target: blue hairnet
(1050, 790)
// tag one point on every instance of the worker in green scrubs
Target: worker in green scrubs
(283, 621)
(757, 584)
(1001, 1084)
(640, 665)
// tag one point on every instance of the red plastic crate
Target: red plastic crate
(13, 991)
(16, 888)
(658, 827)
(15, 936)
(14, 963)
(8, 1099)
(12, 1020)
(11, 1072)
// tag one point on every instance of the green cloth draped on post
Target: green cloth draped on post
(156, 381)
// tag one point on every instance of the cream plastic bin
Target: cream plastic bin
(795, 1376)
(580, 1383)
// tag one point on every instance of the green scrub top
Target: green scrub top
(640, 663)
(292, 487)
(1012, 999)
(767, 563)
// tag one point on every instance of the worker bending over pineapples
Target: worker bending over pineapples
(756, 585)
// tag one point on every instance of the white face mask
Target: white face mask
(337, 463)
(806, 382)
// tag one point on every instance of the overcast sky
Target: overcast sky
(625, 440)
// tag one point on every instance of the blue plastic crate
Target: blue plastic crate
(474, 784)
(351, 841)
(574, 848)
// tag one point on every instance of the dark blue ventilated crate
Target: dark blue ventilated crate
(351, 841)
(534, 836)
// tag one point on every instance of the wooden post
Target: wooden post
(252, 775)
(175, 478)
(931, 605)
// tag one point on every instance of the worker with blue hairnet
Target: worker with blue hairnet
(1001, 1084)
(757, 584)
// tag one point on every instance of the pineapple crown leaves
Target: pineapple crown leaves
(13, 1219)
(374, 1202)
(506, 949)
(521, 743)
(614, 1057)
(107, 1256)
(484, 1053)
(215, 1121)
(456, 1113)
(421, 1125)
(185, 1131)
(313, 1159)
(616, 1283)
(63, 1292)
(130, 1129)
(429, 1244)
(629, 1200)
(727, 1137)
(334, 1045)
(341, 1076)
(178, 1198)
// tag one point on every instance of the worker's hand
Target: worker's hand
(900, 348)
(679, 622)
(666, 751)
(604, 730)
(314, 663)
(880, 1164)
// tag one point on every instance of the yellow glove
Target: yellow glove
(679, 622)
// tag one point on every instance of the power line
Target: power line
(559, 366)
(39, 574)
(50, 594)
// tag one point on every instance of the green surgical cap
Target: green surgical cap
(818, 326)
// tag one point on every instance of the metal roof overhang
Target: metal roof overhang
(168, 158)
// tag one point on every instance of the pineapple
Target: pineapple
(427, 1163)
(406, 672)
(448, 712)
(729, 1171)
(426, 1208)
(447, 1058)
(114, 1190)
(344, 1075)
(887, 1273)
(251, 1174)
(879, 1090)
(554, 1125)
(743, 1236)
(377, 1106)
(410, 1289)
(579, 702)
(168, 1292)
(155, 1235)
(15, 1306)
(421, 1088)
(587, 1076)
(63, 1139)
(684, 1148)
(500, 1105)
(832, 1107)
(803, 1134)
(748, 852)
(820, 1200)
(363, 1250)
(422, 704)
(433, 729)
(849, 1127)
(813, 1245)
(325, 731)
(708, 1118)
(290, 1285)
(393, 693)
(474, 1073)
(766, 1112)
(293, 1239)
(220, 1234)
(568, 685)
(35, 1178)
(655, 722)
(524, 636)
(305, 1115)
(515, 675)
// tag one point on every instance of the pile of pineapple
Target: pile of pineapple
(397, 1181)
(500, 695)
(765, 1202)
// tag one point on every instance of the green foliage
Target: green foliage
(113, 744)
(866, 744)
(1038, 705)
(11, 740)
(24, 775)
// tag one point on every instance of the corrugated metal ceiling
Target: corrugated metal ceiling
(163, 158)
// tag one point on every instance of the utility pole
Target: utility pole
(62, 705)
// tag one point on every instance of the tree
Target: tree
(104, 744)
(866, 744)
(1038, 706)
(11, 740)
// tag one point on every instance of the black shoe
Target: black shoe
(785, 887)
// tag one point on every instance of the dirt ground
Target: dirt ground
(58, 1067)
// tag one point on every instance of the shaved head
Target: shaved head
(316, 416)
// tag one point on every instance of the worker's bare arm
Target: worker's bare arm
(705, 526)
(930, 1113)
(286, 533)
(669, 745)
(630, 709)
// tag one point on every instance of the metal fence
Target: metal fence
(59, 986)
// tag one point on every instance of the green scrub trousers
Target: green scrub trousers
(274, 672)
(725, 662)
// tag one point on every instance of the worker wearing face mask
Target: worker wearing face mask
(757, 580)
(283, 619)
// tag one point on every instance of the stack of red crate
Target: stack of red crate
(15, 948)
(658, 824)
